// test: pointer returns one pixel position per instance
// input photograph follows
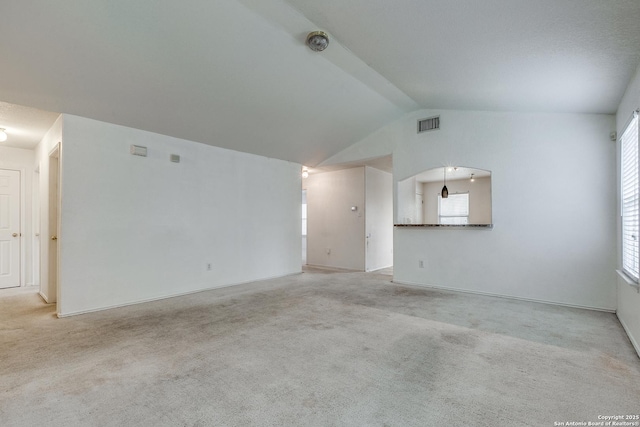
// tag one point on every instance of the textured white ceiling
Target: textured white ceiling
(24, 126)
(214, 72)
(533, 55)
(236, 73)
(453, 174)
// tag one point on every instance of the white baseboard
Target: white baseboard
(331, 268)
(179, 294)
(378, 268)
(490, 294)
(634, 343)
(44, 297)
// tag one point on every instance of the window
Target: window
(454, 209)
(629, 197)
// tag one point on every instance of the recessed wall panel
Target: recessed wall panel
(5, 258)
(5, 218)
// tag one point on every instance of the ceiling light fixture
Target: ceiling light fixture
(472, 178)
(3, 135)
(445, 192)
(305, 172)
(317, 41)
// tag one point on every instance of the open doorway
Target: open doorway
(350, 215)
(49, 287)
(31, 135)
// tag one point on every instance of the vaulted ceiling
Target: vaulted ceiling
(237, 74)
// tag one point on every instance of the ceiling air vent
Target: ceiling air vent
(432, 123)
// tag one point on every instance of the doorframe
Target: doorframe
(54, 153)
(23, 209)
(304, 236)
(57, 150)
(36, 226)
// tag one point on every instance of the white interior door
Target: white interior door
(9, 228)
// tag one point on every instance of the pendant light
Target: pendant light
(445, 192)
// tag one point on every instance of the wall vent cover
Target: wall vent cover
(431, 123)
(138, 150)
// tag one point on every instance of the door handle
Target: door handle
(54, 237)
(15, 234)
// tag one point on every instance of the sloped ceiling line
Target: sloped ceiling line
(237, 74)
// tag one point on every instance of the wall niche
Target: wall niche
(468, 201)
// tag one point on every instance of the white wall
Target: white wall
(379, 144)
(409, 209)
(23, 160)
(628, 297)
(543, 246)
(553, 207)
(378, 219)
(141, 228)
(331, 225)
(41, 161)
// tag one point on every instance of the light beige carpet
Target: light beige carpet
(317, 349)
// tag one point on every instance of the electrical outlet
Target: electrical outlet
(421, 263)
(208, 266)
